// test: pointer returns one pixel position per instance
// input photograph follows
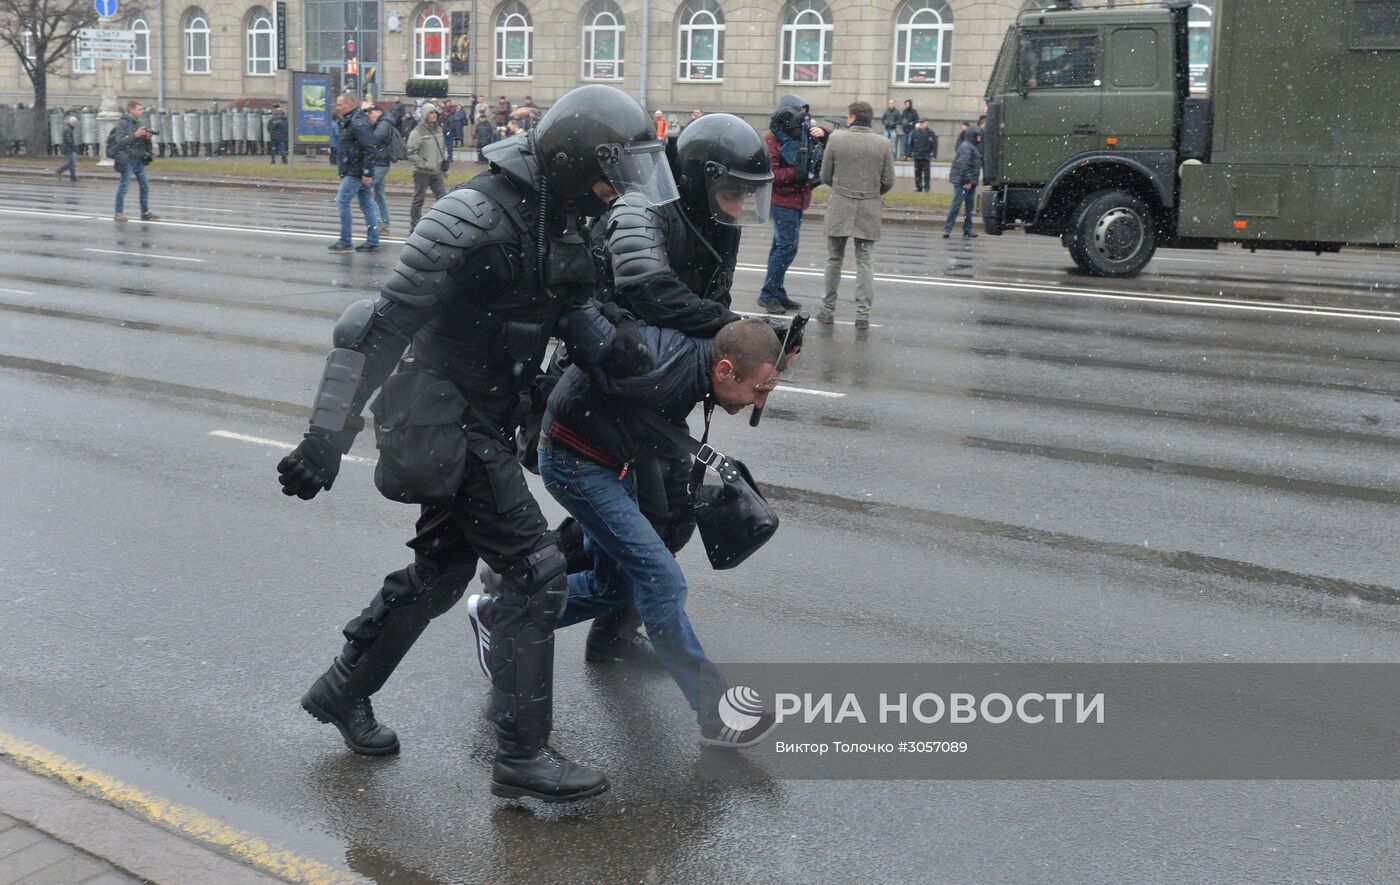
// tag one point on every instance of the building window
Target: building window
(700, 45)
(196, 42)
(260, 36)
(602, 41)
(1198, 21)
(331, 26)
(923, 43)
(806, 53)
(430, 42)
(140, 62)
(81, 65)
(514, 42)
(30, 57)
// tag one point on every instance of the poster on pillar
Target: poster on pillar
(311, 108)
(461, 42)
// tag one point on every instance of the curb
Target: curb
(92, 827)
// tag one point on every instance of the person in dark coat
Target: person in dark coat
(908, 120)
(890, 120)
(70, 149)
(964, 176)
(923, 147)
(355, 164)
(485, 134)
(277, 134)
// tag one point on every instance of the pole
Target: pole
(107, 113)
(646, 52)
(160, 55)
(476, 60)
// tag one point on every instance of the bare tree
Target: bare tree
(42, 33)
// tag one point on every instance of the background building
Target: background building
(732, 55)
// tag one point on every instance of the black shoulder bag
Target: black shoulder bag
(733, 517)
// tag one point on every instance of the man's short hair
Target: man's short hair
(133, 104)
(862, 111)
(347, 96)
(749, 344)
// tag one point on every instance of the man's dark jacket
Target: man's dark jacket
(591, 411)
(909, 119)
(967, 163)
(131, 148)
(356, 148)
(379, 153)
(70, 143)
(891, 118)
(924, 144)
(277, 128)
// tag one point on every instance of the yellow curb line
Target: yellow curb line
(196, 825)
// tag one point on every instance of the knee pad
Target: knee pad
(538, 584)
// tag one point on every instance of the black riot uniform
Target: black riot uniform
(488, 275)
(673, 266)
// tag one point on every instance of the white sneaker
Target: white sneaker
(479, 612)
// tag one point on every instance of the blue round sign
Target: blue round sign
(105, 8)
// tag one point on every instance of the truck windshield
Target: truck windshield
(1059, 59)
(1005, 70)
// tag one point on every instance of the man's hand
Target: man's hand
(968, 186)
(142, 133)
(311, 466)
(367, 179)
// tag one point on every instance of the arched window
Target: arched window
(140, 62)
(196, 42)
(514, 42)
(700, 44)
(260, 37)
(923, 43)
(602, 41)
(807, 31)
(430, 43)
(1198, 21)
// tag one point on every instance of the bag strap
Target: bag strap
(702, 450)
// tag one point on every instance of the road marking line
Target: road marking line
(46, 214)
(16, 291)
(145, 255)
(1113, 295)
(188, 822)
(165, 205)
(764, 315)
(278, 444)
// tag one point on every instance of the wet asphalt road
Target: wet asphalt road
(1022, 465)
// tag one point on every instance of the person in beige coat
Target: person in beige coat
(859, 169)
(427, 151)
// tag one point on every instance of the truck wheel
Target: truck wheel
(1112, 234)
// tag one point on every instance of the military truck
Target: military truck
(1093, 134)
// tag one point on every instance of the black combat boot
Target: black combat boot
(616, 639)
(521, 772)
(334, 700)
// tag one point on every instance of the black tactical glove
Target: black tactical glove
(629, 354)
(780, 328)
(311, 466)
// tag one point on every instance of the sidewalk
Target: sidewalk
(51, 834)
(244, 172)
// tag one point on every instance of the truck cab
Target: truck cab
(1083, 131)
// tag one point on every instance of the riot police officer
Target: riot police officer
(495, 268)
(673, 266)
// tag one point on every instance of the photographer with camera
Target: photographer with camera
(130, 149)
(795, 150)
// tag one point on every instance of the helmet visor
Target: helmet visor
(739, 199)
(639, 169)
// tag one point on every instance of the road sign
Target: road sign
(96, 43)
(105, 8)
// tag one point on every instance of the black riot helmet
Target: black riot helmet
(600, 132)
(723, 170)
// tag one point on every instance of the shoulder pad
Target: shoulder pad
(463, 221)
(636, 243)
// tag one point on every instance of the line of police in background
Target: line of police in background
(227, 132)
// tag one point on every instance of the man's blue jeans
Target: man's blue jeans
(787, 226)
(630, 565)
(350, 186)
(381, 205)
(963, 198)
(137, 169)
(893, 135)
(908, 141)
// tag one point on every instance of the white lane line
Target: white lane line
(16, 291)
(277, 444)
(145, 255)
(764, 315)
(166, 205)
(46, 214)
(1114, 295)
(830, 394)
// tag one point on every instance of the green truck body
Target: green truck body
(1093, 134)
